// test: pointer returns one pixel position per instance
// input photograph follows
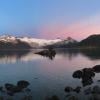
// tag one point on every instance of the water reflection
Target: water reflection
(11, 56)
(27, 55)
(50, 77)
(92, 54)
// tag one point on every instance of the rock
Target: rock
(77, 74)
(27, 98)
(96, 89)
(9, 98)
(96, 68)
(88, 91)
(98, 80)
(88, 72)
(54, 97)
(73, 98)
(87, 75)
(12, 89)
(1, 89)
(77, 89)
(47, 53)
(9, 87)
(28, 90)
(87, 81)
(95, 97)
(68, 89)
(22, 84)
(1, 98)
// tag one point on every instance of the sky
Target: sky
(50, 19)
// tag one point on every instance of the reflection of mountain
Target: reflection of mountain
(90, 53)
(14, 56)
(26, 55)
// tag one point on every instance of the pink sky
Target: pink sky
(77, 30)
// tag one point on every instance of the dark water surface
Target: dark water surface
(46, 76)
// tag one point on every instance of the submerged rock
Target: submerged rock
(9, 87)
(22, 84)
(98, 80)
(54, 97)
(1, 89)
(68, 89)
(95, 97)
(88, 91)
(1, 98)
(9, 98)
(73, 98)
(27, 98)
(77, 89)
(96, 89)
(12, 89)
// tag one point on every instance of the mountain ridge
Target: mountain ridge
(11, 42)
(31, 42)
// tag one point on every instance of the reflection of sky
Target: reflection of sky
(64, 54)
(41, 18)
(47, 77)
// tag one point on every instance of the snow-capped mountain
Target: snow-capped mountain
(33, 42)
(39, 42)
(65, 43)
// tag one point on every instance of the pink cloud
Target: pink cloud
(78, 30)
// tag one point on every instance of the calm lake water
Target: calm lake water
(46, 76)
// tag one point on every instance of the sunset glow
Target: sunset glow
(50, 19)
(78, 30)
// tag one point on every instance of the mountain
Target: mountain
(66, 43)
(38, 43)
(91, 41)
(11, 42)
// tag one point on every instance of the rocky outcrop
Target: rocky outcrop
(47, 53)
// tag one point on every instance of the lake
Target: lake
(47, 77)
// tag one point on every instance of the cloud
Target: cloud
(78, 30)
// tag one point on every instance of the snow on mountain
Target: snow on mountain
(33, 42)
(7, 38)
(40, 42)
